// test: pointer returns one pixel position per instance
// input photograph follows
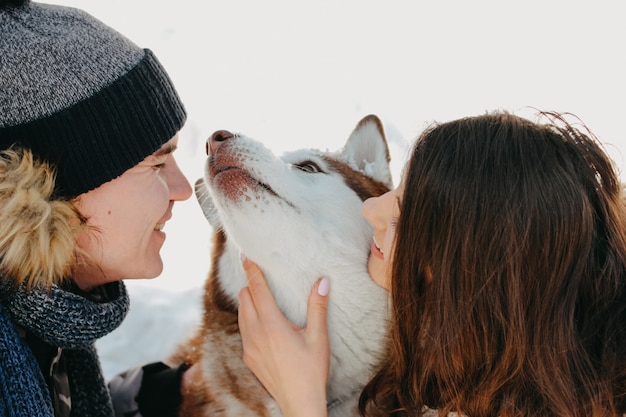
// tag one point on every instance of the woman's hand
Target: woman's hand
(292, 363)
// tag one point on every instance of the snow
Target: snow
(302, 74)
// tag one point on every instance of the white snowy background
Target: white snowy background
(302, 73)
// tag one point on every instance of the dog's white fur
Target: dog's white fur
(297, 226)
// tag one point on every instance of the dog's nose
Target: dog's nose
(216, 140)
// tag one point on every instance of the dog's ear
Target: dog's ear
(367, 148)
(206, 204)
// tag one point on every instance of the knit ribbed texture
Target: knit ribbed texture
(54, 57)
(66, 320)
(81, 95)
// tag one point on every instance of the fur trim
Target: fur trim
(37, 232)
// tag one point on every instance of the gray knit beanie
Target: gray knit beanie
(80, 95)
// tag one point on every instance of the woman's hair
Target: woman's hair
(523, 229)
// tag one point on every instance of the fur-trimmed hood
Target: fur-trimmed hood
(37, 232)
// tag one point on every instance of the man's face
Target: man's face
(125, 217)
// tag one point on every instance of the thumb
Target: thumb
(317, 309)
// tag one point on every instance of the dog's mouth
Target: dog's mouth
(245, 178)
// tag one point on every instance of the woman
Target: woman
(504, 249)
(88, 179)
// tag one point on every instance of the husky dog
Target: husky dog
(298, 217)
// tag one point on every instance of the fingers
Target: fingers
(317, 309)
(247, 315)
(291, 362)
(256, 300)
(258, 290)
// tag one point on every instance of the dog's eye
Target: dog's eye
(308, 166)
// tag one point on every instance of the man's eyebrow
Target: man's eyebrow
(165, 150)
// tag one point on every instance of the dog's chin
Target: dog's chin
(235, 183)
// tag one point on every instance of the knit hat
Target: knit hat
(80, 95)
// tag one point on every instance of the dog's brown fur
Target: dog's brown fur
(220, 322)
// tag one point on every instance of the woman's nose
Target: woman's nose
(216, 140)
(368, 210)
(377, 210)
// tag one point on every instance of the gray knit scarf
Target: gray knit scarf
(72, 322)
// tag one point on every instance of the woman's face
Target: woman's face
(382, 212)
(125, 218)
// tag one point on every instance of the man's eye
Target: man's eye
(308, 166)
(159, 166)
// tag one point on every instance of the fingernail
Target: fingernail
(324, 287)
(242, 256)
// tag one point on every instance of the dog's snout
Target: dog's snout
(216, 140)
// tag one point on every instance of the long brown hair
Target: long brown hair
(523, 229)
